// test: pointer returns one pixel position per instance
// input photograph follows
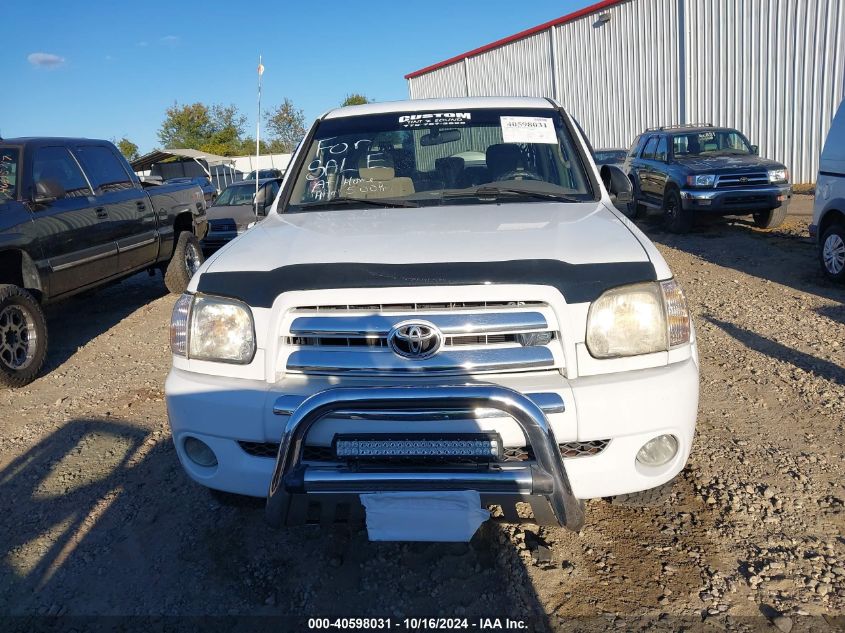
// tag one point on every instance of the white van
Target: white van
(829, 211)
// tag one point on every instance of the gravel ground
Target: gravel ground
(98, 518)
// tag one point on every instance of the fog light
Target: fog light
(200, 452)
(658, 451)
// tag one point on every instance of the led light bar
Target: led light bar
(483, 447)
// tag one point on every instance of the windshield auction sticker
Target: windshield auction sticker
(528, 129)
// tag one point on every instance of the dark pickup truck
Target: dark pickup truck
(686, 171)
(73, 216)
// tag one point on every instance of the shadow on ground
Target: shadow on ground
(76, 321)
(104, 522)
(778, 256)
(822, 368)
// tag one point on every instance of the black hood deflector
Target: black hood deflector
(578, 283)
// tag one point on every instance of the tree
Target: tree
(247, 146)
(127, 148)
(216, 129)
(286, 125)
(355, 99)
(187, 126)
(227, 128)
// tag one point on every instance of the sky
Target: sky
(110, 69)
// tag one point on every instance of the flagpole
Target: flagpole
(258, 135)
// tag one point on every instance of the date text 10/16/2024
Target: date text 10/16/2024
(417, 624)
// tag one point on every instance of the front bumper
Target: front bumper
(629, 408)
(736, 200)
(545, 477)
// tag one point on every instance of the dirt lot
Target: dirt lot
(98, 518)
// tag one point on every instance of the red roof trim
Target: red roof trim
(604, 4)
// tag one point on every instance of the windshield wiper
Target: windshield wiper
(494, 192)
(376, 202)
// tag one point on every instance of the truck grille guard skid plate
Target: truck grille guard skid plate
(545, 477)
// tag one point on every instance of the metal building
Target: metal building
(774, 69)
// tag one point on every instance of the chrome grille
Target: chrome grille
(478, 337)
(371, 341)
(742, 180)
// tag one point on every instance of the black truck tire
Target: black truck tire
(675, 218)
(832, 252)
(23, 336)
(635, 209)
(187, 258)
(771, 219)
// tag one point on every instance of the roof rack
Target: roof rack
(677, 126)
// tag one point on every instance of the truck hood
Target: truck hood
(582, 233)
(241, 214)
(728, 164)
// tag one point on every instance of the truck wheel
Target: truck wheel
(23, 336)
(832, 252)
(635, 209)
(675, 217)
(771, 219)
(187, 258)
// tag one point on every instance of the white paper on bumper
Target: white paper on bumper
(448, 516)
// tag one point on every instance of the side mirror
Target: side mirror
(47, 191)
(755, 150)
(617, 184)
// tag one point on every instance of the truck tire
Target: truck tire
(187, 258)
(832, 252)
(635, 209)
(675, 218)
(23, 336)
(771, 219)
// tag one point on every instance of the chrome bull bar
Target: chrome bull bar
(545, 477)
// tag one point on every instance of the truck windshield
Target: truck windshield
(433, 158)
(8, 173)
(710, 142)
(235, 195)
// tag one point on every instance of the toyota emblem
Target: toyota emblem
(416, 340)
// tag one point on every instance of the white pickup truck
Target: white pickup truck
(443, 314)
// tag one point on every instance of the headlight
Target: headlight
(778, 175)
(701, 180)
(638, 319)
(212, 328)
